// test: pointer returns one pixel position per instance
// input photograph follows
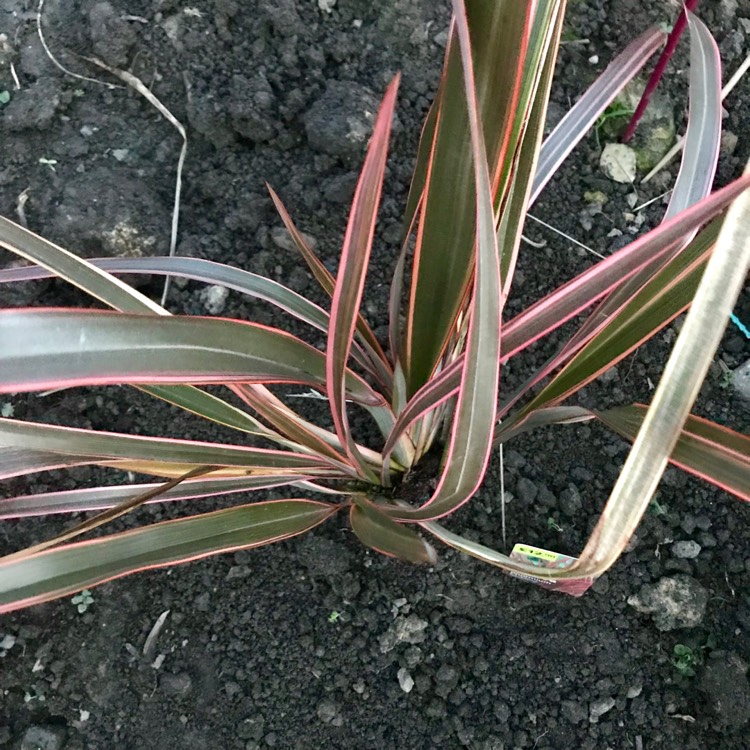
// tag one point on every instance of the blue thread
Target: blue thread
(740, 325)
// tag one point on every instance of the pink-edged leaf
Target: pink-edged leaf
(117, 294)
(582, 116)
(33, 446)
(376, 360)
(542, 418)
(55, 348)
(576, 295)
(443, 266)
(714, 453)
(101, 498)
(64, 570)
(691, 185)
(555, 309)
(196, 269)
(431, 395)
(703, 135)
(662, 299)
(306, 434)
(471, 437)
(376, 530)
(539, 71)
(355, 256)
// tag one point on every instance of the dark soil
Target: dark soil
(304, 645)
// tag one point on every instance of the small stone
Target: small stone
(282, 239)
(251, 728)
(674, 602)
(447, 674)
(686, 550)
(405, 680)
(411, 629)
(741, 380)
(634, 691)
(526, 490)
(327, 711)
(43, 738)
(618, 162)
(340, 122)
(121, 154)
(570, 501)
(413, 656)
(7, 642)
(238, 571)
(599, 708)
(340, 189)
(574, 712)
(214, 298)
(176, 684)
(728, 143)
(595, 197)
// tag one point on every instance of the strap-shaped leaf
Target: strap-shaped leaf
(62, 571)
(703, 134)
(720, 285)
(54, 348)
(116, 294)
(350, 281)
(668, 293)
(471, 437)
(714, 453)
(443, 261)
(101, 498)
(581, 292)
(584, 113)
(527, 134)
(197, 269)
(376, 530)
(51, 446)
(378, 362)
(695, 177)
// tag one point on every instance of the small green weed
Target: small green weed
(83, 600)
(686, 659)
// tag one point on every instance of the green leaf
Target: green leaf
(47, 442)
(471, 439)
(658, 302)
(350, 281)
(61, 348)
(714, 453)
(443, 262)
(100, 498)
(65, 570)
(376, 530)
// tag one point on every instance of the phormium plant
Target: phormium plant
(480, 165)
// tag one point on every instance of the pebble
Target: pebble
(328, 712)
(618, 162)
(599, 708)
(411, 629)
(214, 298)
(176, 684)
(39, 737)
(405, 680)
(687, 550)
(677, 601)
(741, 380)
(283, 240)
